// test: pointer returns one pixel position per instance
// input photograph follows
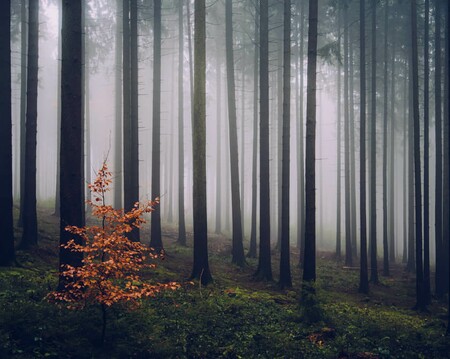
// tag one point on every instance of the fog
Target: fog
(100, 32)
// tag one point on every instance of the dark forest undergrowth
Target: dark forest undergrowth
(235, 317)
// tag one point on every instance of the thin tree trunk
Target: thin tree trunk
(7, 255)
(373, 152)
(30, 227)
(155, 235)
(181, 215)
(385, 149)
(23, 103)
(421, 303)
(219, 147)
(252, 249)
(338, 146)
(363, 275)
(391, 186)
(300, 141)
(285, 264)
(118, 164)
(352, 155)
(309, 267)
(264, 270)
(438, 139)
(426, 163)
(348, 229)
(237, 244)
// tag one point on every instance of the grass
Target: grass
(234, 317)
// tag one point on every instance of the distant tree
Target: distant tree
(181, 209)
(438, 143)
(29, 217)
(252, 250)
(237, 245)
(421, 302)
(118, 113)
(23, 101)
(300, 139)
(338, 143)
(446, 191)
(218, 224)
(130, 109)
(426, 161)
(363, 275)
(309, 267)
(7, 255)
(264, 270)
(58, 115)
(71, 193)
(385, 139)
(373, 151)
(200, 268)
(348, 219)
(155, 237)
(285, 263)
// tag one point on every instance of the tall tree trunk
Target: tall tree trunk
(373, 152)
(338, 145)
(285, 263)
(348, 229)
(200, 268)
(264, 270)
(252, 249)
(309, 267)
(242, 171)
(155, 236)
(30, 231)
(438, 139)
(237, 244)
(411, 234)
(181, 209)
(446, 190)
(7, 255)
(219, 203)
(130, 109)
(391, 186)
(385, 148)
(363, 275)
(118, 164)
(421, 303)
(405, 166)
(58, 115)
(447, 34)
(23, 103)
(71, 194)
(352, 152)
(426, 163)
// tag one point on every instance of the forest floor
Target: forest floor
(234, 317)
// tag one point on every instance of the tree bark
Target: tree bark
(309, 267)
(338, 145)
(421, 303)
(7, 255)
(373, 152)
(23, 104)
(363, 273)
(29, 223)
(71, 195)
(155, 236)
(200, 268)
(285, 263)
(264, 270)
(181, 209)
(237, 244)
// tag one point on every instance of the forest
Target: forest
(225, 179)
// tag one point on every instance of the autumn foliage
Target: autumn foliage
(110, 271)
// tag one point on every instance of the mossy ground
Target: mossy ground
(234, 317)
